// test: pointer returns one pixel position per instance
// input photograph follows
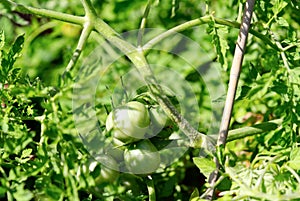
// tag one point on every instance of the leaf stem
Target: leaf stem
(86, 31)
(151, 188)
(240, 133)
(204, 20)
(45, 13)
(143, 23)
(90, 12)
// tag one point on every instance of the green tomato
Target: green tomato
(158, 120)
(142, 158)
(161, 125)
(129, 121)
(109, 170)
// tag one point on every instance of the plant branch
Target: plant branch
(150, 187)
(282, 52)
(44, 12)
(143, 23)
(232, 86)
(204, 20)
(90, 12)
(240, 133)
(86, 31)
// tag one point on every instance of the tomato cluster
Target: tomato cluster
(134, 127)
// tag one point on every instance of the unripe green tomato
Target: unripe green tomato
(129, 121)
(158, 119)
(142, 158)
(119, 138)
(109, 170)
(161, 124)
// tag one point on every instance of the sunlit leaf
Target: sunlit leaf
(206, 166)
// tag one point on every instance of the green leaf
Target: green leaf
(2, 40)
(242, 92)
(16, 47)
(22, 194)
(282, 22)
(295, 159)
(220, 42)
(167, 188)
(205, 165)
(26, 153)
(2, 192)
(280, 88)
(278, 5)
(195, 195)
(4, 125)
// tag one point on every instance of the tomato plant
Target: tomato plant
(144, 84)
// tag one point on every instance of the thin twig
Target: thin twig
(86, 31)
(243, 132)
(143, 23)
(232, 86)
(150, 187)
(44, 12)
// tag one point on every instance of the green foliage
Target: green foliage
(42, 153)
(205, 165)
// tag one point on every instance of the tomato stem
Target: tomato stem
(45, 12)
(151, 188)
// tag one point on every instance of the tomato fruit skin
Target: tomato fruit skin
(158, 120)
(129, 122)
(142, 158)
(107, 175)
(109, 170)
(161, 125)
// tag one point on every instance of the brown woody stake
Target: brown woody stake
(232, 86)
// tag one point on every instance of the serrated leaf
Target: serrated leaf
(2, 39)
(282, 22)
(220, 42)
(242, 92)
(17, 46)
(295, 164)
(278, 5)
(23, 194)
(205, 165)
(280, 88)
(26, 153)
(295, 159)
